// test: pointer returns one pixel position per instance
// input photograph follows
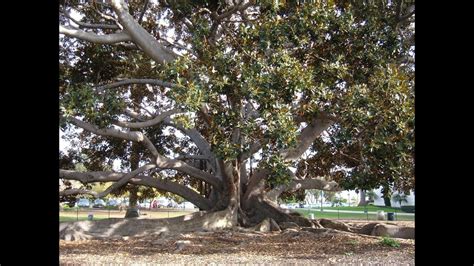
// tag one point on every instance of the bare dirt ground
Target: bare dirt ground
(237, 247)
(149, 214)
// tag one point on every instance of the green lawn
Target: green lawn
(349, 216)
(73, 219)
(370, 208)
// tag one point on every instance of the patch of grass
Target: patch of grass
(353, 242)
(388, 241)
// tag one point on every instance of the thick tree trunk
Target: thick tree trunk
(362, 201)
(387, 195)
(387, 201)
(132, 210)
(231, 195)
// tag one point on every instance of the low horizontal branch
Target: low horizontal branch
(76, 191)
(95, 38)
(165, 185)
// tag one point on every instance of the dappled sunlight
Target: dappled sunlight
(113, 227)
(163, 229)
(221, 223)
(188, 217)
(226, 246)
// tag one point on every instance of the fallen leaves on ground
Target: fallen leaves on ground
(233, 246)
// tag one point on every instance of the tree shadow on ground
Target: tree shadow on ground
(118, 227)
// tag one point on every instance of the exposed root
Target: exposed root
(326, 223)
(263, 209)
(371, 229)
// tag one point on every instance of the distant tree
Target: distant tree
(387, 195)
(372, 195)
(329, 196)
(337, 201)
(398, 197)
(353, 200)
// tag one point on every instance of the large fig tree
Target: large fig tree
(232, 104)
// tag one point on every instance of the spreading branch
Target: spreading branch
(192, 157)
(176, 45)
(304, 141)
(234, 9)
(161, 161)
(90, 25)
(140, 36)
(195, 136)
(93, 177)
(183, 167)
(125, 179)
(112, 132)
(135, 115)
(95, 38)
(145, 6)
(149, 123)
(135, 81)
(410, 12)
(75, 191)
(254, 147)
(293, 185)
(307, 137)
